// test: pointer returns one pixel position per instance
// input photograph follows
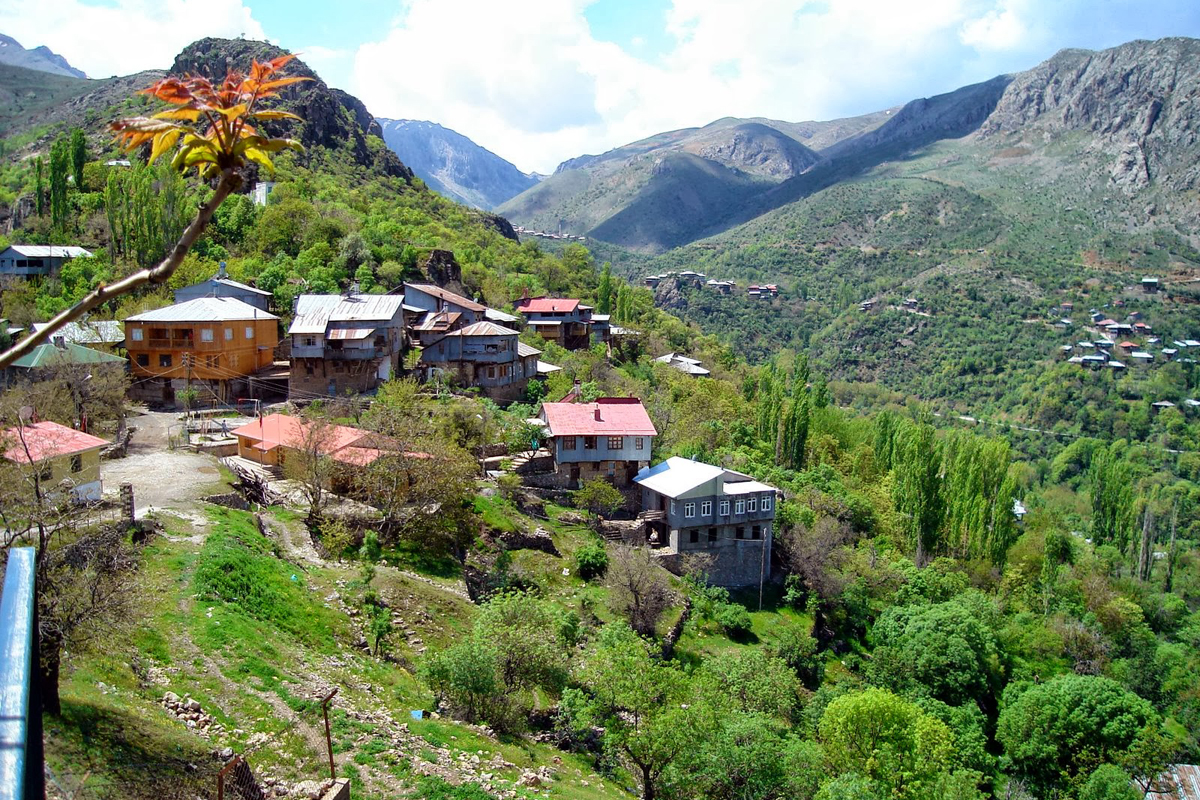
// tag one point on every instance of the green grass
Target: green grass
(497, 513)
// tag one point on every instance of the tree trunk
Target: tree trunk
(49, 664)
(647, 784)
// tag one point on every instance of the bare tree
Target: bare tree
(638, 588)
(308, 463)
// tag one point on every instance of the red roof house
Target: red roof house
(266, 440)
(545, 305)
(62, 455)
(608, 438)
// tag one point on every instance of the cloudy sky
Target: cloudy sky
(539, 81)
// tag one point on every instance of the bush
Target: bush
(733, 619)
(509, 484)
(591, 561)
(1108, 783)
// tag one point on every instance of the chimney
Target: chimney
(221, 271)
(60, 342)
(597, 413)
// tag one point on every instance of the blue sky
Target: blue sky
(539, 81)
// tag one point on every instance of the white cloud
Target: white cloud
(124, 36)
(529, 82)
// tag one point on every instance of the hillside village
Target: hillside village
(370, 496)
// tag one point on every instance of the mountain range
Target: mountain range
(1125, 114)
(453, 165)
(40, 58)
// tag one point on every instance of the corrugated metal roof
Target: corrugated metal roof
(746, 487)
(608, 416)
(545, 305)
(524, 351)
(1180, 782)
(498, 316)
(204, 309)
(449, 297)
(46, 355)
(675, 476)
(101, 331)
(484, 329)
(314, 312)
(242, 286)
(349, 333)
(545, 368)
(49, 251)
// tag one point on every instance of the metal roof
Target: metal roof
(449, 297)
(46, 440)
(675, 476)
(314, 312)
(499, 316)
(607, 416)
(545, 368)
(100, 331)
(203, 309)
(49, 251)
(483, 329)
(524, 351)
(546, 305)
(239, 285)
(350, 333)
(46, 355)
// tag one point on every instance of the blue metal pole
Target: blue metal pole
(21, 757)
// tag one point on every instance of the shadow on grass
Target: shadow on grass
(108, 751)
(411, 556)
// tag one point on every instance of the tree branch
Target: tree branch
(161, 273)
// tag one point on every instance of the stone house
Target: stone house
(692, 507)
(62, 456)
(483, 355)
(344, 343)
(212, 343)
(608, 438)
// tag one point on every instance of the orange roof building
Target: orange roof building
(58, 456)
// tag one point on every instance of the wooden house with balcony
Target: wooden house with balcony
(211, 343)
(563, 320)
(692, 507)
(483, 355)
(344, 343)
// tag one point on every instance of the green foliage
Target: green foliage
(598, 497)
(1109, 782)
(371, 550)
(734, 619)
(60, 168)
(1059, 729)
(78, 157)
(591, 561)
(434, 788)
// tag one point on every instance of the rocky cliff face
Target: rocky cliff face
(332, 119)
(1140, 102)
(453, 165)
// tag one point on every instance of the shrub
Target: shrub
(733, 619)
(591, 561)
(509, 484)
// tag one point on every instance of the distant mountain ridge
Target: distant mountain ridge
(453, 165)
(40, 58)
(1132, 106)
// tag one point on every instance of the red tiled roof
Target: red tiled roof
(608, 416)
(542, 305)
(47, 440)
(339, 442)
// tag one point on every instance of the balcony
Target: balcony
(171, 344)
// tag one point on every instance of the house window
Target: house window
(756, 532)
(706, 508)
(724, 508)
(143, 359)
(712, 535)
(135, 334)
(740, 507)
(568, 443)
(164, 359)
(753, 505)
(638, 443)
(249, 332)
(672, 506)
(308, 369)
(229, 334)
(741, 533)
(310, 341)
(694, 536)
(76, 463)
(589, 443)
(206, 334)
(491, 372)
(689, 510)
(766, 502)
(616, 442)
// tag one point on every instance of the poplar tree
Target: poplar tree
(917, 487)
(39, 189)
(604, 292)
(78, 157)
(60, 164)
(1112, 497)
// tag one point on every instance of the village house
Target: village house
(424, 298)
(688, 366)
(433, 325)
(344, 343)
(608, 438)
(1150, 285)
(557, 319)
(62, 457)
(221, 285)
(30, 260)
(211, 343)
(55, 354)
(271, 440)
(692, 507)
(100, 334)
(482, 355)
